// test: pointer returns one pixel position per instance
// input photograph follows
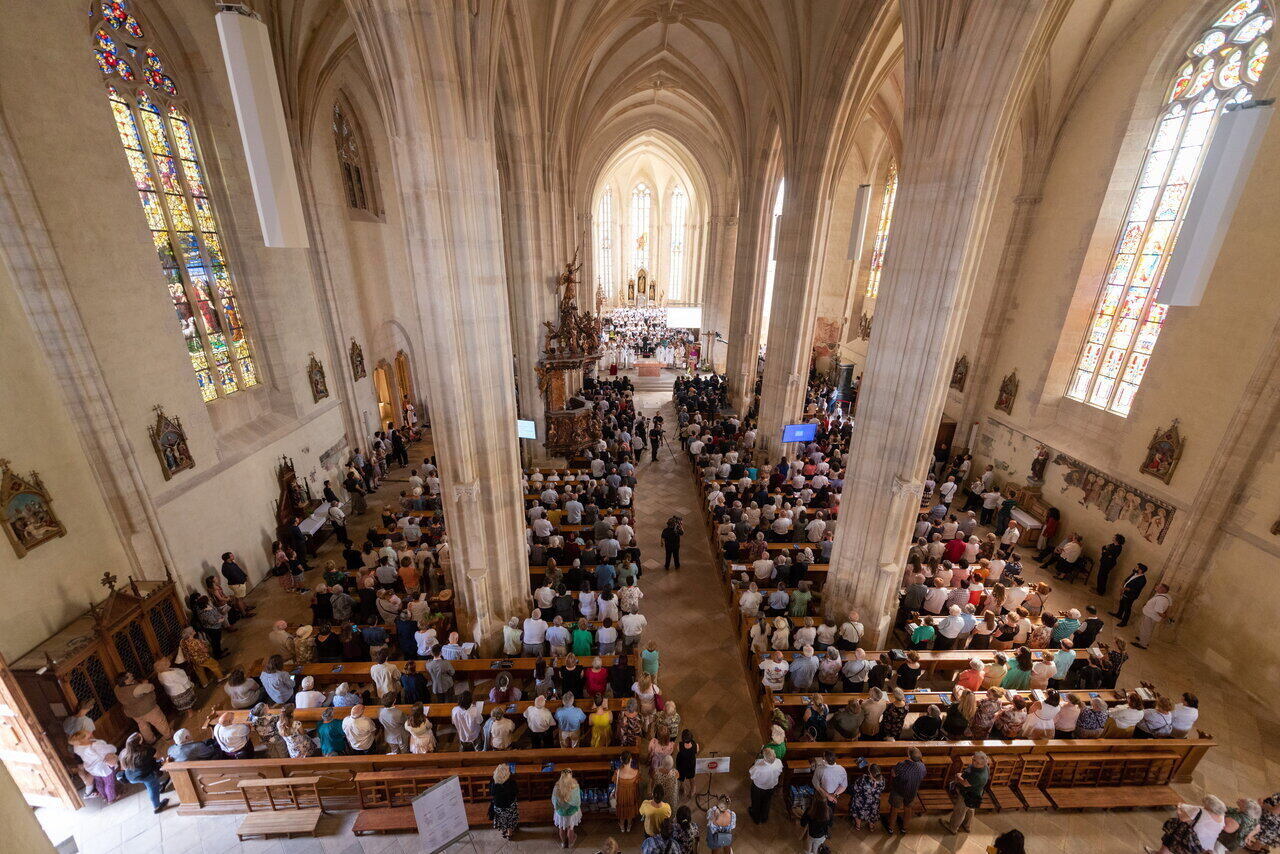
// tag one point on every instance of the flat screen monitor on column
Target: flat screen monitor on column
(684, 317)
(799, 433)
(526, 429)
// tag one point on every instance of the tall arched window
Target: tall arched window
(771, 271)
(604, 243)
(641, 203)
(882, 231)
(679, 216)
(353, 160)
(163, 155)
(1221, 67)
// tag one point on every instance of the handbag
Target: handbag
(1180, 836)
(658, 702)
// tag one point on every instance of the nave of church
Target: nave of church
(928, 336)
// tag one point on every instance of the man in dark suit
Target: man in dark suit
(1107, 562)
(1089, 630)
(1129, 593)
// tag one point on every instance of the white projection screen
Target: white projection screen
(685, 317)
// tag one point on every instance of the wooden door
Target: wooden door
(27, 751)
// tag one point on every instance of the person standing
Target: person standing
(1129, 593)
(1155, 612)
(138, 699)
(764, 775)
(817, 824)
(566, 804)
(671, 541)
(237, 582)
(504, 810)
(970, 784)
(903, 788)
(1107, 561)
(339, 521)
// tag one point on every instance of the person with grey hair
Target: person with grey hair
(309, 697)
(1194, 829)
(1239, 824)
(970, 784)
(186, 748)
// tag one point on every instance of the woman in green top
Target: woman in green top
(583, 640)
(1018, 678)
(566, 802)
(1240, 821)
(800, 600)
(332, 740)
(922, 634)
(649, 659)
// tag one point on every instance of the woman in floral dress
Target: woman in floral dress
(630, 727)
(864, 798)
(985, 715)
(263, 722)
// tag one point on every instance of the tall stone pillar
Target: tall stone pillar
(717, 288)
(747, 299)
(796, 288)
(434, 66)
(954, 122)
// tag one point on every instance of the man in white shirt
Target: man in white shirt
(781, 526)
(1011, 535)
(816, 528)
(385, 676)
(535, 632)
(542, 529)
(625, 534)
(948, 490)
(1014, 596)
(361, 732)
(597, 468)
(774, 672)
(308, 697)
(468, 720)
(991, 499)
(851, 632)
(624, 496)
(339, 521)
(696, 446)
(949, 629)
(764, 775)
(1153, 614)
(558, 638)
(763, 569)
(632, 627)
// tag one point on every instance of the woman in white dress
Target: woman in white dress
(422, 737)
(1041, 716)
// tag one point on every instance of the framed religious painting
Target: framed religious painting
(358, 371)
(1163, 453)
(315, 376)
(26, 511)
(1008, 393)
(170, 443)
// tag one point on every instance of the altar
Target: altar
(648, 368)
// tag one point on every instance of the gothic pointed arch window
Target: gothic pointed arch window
(679, 222)
(604, 243)
(354, 160)
(163, 153)
(881, 244)
(641, 237)
(1221, 67)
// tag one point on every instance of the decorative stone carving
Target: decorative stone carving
(1008, 392)
(1163, 453)
(960, 373)
(315, 376)
(170, 443)
(864, 327)
(358, 371)
(26, 511)
(469, 492)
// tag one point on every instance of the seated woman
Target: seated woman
(928, 727)
(1124, 718)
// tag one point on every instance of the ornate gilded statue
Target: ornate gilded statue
(568, 284)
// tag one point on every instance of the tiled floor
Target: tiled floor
(703, 674)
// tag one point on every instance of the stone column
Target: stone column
(954, 123)
(434, 67)
(747, 297)
(717, 287)
(796, 288)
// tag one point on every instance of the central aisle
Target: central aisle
(701, 669)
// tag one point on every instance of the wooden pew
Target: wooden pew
(211, 786)
(435, 712)
(471, 669)
(386, 796)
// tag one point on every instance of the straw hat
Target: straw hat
(304, 632)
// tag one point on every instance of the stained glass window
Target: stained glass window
(882, 231)
(641, 204)
(1221, 66)
(679, 216)
(604, 243)
(357, 172)
(163, 156)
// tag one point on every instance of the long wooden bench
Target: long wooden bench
(280, 806)
(1104, 780)
(436, 712)
(212, 786)
(386, 796)
(472, 669)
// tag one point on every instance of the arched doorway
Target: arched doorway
(388, 409)
(404, 384)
